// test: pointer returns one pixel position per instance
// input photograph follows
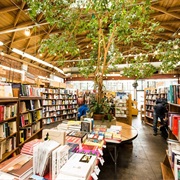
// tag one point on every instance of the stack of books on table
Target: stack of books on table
(79, 166)
(28, 147)
(113, 134)
(18, 167)
(76, 137)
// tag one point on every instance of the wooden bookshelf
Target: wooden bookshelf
(166, 165)
(150, 96)
(58, 105)
(8, 127)
(123, 109)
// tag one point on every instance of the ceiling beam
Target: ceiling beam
(165, 11)
(8, 9)
(32, 36)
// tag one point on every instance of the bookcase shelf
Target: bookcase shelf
(150, 96)
(166, 165)
(58, 104)
(123, 108)
(8, 127)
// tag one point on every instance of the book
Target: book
(79, 165)
(28, 146)
(95, 142)
(42, 156)
(21, 166)
(78, 134)
(86, 126)
(175, 120)
(59, 158)
(177, 167)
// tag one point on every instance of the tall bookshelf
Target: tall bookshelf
(166, 165)
(58, 105)
(8, 127)
(30, 118)
(123, 108)
(151, 94)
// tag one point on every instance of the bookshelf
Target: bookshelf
(166, 165)
(30, 118)
(151, 94)
(8, 127)
(58, 105)
(123, 108)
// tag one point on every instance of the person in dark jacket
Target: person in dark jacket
(159, 113)
(82, 110)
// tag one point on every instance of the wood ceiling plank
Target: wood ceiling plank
(8, 9)
(164, 10)
(35, 35)
(174, 9)
(170, 22)
(169, 28)
(19, 13)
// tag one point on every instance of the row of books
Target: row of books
(27, 132)
(7, 129)
(7, 146)
(58, 96)
(46, 102)
(8, 111)
(157, 90)
(173, 95)
(29, 105)
(30, 117)
(6, 90)
(59, 91)
(174, 123)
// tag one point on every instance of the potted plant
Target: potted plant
(100, 110)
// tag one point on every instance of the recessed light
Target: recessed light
(1, 43)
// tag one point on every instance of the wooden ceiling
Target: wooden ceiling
(14, 20)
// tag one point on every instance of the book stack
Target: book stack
(28, 147)
(79, 166)
(19, 167)
(60, 156)
(90, 149)
(42, 157)
(76, 137)
(113, 134)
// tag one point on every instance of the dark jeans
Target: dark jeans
(155, 121)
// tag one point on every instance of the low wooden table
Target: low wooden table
(128, 134)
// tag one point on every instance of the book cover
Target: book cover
(86, 126)
(176, 118)
(177, 167)
(20, 167)
(78, 134)
(79, 165)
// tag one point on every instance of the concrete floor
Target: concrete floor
(139, 160)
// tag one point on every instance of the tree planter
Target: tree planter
(105, 122)
(98, 117)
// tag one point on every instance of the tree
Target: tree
(110, 26)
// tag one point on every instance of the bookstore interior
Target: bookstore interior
(115, 57)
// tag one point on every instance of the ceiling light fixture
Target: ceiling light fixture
(27, 32)
(36, 59)
(1, 43)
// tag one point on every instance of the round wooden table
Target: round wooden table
(128, 134)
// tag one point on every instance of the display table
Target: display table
(128, 134)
